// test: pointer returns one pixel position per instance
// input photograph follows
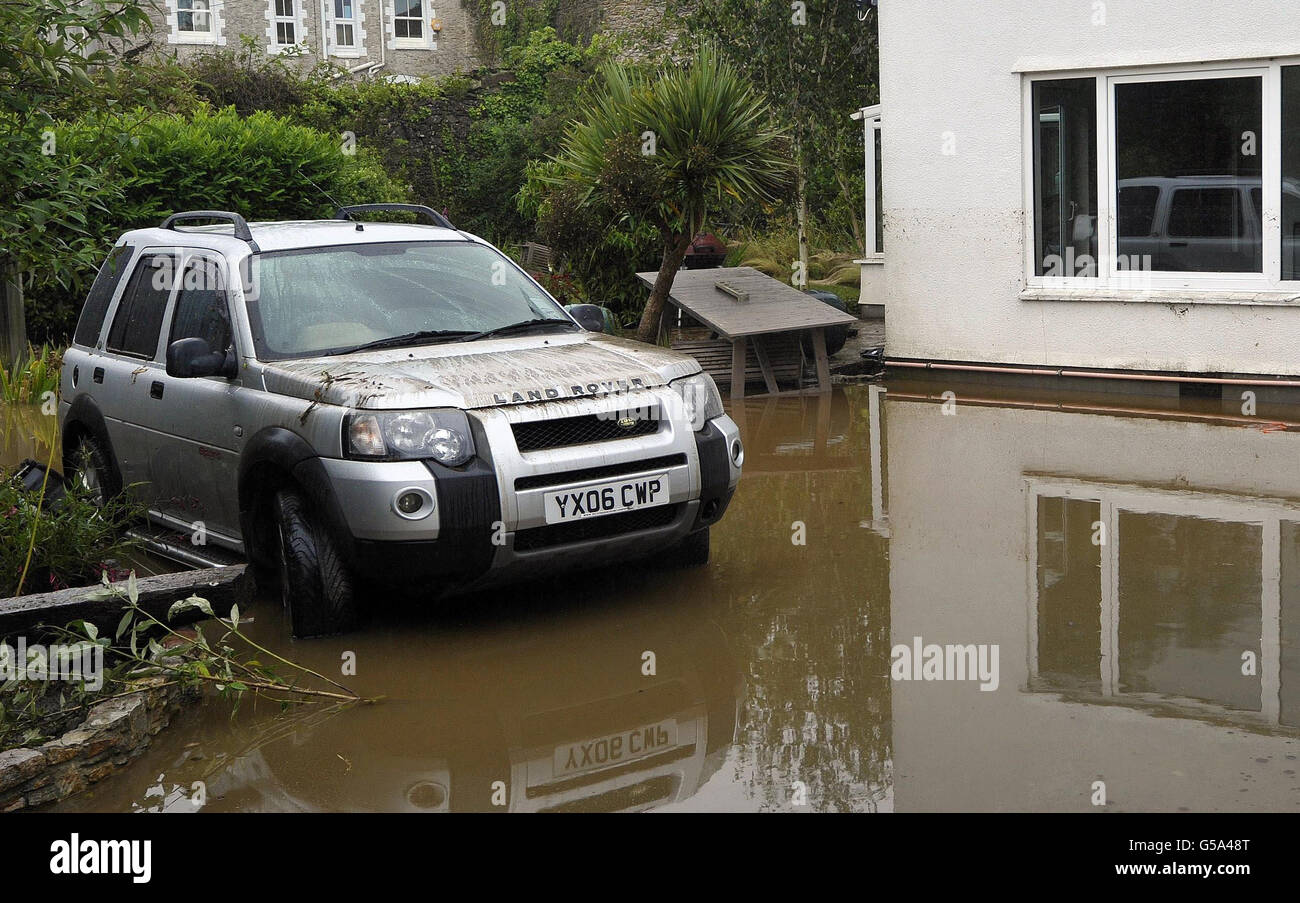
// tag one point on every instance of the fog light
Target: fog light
(737, 452)
(413, 503)
(426, 795)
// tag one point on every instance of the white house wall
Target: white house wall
(955, 224)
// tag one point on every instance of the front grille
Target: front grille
(605, 527)
(654, 790)
(537, 481)
(537, 435)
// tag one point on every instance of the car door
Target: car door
(195, 461)
(126, 373)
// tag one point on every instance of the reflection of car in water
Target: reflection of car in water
(1205, 223)
(566, 722)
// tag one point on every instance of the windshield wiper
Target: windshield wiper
(420, 337)
(520, 326)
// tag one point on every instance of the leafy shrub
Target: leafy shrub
(260, 166)
(601, 250)
(249, 80)
(28, 382)
(73, 540)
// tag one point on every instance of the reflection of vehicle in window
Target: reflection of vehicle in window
(1201, 223)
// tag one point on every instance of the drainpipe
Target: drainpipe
(324, 39)
(1093, 374)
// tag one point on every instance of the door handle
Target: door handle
(156, 389)
(1178, 244)
(98, 375)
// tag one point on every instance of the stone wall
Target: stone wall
(114, 732)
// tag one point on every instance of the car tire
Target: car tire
(693, 551)
(315, 583)
(87, 463)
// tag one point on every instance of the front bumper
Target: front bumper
(488, 520)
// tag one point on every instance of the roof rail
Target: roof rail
(239, 224)
(437, 218)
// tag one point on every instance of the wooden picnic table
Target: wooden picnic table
(751, 307)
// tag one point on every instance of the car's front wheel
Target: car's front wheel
(315, 584)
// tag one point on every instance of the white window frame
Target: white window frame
(297, 20)
(424, 42)
(1113, 498)
(358, 46)
(1111, 283)
(870, 117)
(213, 36)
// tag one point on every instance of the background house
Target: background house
(1108, 184)
(404, 38)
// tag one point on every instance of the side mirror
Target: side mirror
(189, 358)
(589, 316)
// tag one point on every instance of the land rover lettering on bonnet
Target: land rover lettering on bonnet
(351, 403)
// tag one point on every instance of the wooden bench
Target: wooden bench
(536, 257)
(770, 360)
(759, 319)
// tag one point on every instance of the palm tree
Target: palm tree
(671, 150)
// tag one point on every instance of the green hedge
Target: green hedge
(260, 166)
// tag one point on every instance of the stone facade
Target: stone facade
(115, 732)
(431, 37)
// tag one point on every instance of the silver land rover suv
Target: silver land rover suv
(361, 403)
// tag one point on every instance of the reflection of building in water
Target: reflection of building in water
(1183, 604)
(813, 616)
(992, 514)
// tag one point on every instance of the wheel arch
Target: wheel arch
(84, 418)
(276, 458)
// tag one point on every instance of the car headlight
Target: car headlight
(442, 435)
(701, 401)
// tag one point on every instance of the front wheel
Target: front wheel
(315, 584)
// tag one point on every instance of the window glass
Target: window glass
(139, 316)
(1069, 586)
(1189, 602)
(1289, 630)
(1291, 172)
(192, 15)
(1065, 177)
(1205, 213)
(1137, 210)
(880, 198)
(1199, 140)
(408, 19)
(330, 299)
(101, 294)
(201, 308)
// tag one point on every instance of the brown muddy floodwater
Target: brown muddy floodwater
(1127, 569)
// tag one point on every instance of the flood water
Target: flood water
(1130, 565)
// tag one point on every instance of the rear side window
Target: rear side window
(140, 314)
(201, 310)
(101, 293)
(1137, 210)
(1205, 213)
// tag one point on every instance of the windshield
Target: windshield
(331, 300)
